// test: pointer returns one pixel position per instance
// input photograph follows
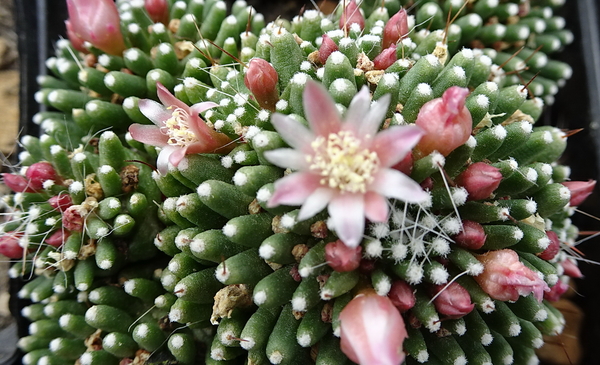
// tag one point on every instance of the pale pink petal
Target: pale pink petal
(162, 162)
(168, 99)
(392, 144)
(293, 132)
(287, 158)
(394, 184)
(358, 109)
(347, 212)
(202, 107)
(148, 134)
(376, 207)
(320, 110)
(154, 111)
(374, 117)
(177, 155)
(315, 203)
(294, 189)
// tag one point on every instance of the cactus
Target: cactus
(447, 220)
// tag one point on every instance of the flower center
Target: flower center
(178, 128)
(343, 163)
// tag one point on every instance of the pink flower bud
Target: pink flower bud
(341, 257)
(372, 331)
(72, 219)
(76, 42)
(60, 202)
(571, 269)
(97, 22)
(556, 291)
(446, 121)
(552, 249)
(472, 236)
(158, 10)
(402, 295)
(579, 190)
(261, 79)
(395, 29)
(406, 165)
(505, 277)
(386, 58)
(17, 183)
(452, 300)
(9, 245)
(328, 46)
(350, 15)
(57, 238)
(480, 179)
(40, 172)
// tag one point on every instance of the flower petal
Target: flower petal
(169, 99)
(374, 117)
(392, 144)
(154, 111)
(320, 110)
(177, 155)
(347, 213)
(294, 189)
(148, 134)
(394, 184)
(287, 158)
(316, 202)
(202, 107)
(358, 109)
(162, 162)
(376, 207)
(293, 132)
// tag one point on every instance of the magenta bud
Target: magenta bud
(328, 46)
(446, 121)
(17, 183)
(97, 22)
(571, 269)
(579, 190)
(402, 295)
(472, 236)
(341, 257)
(386, 58)
(480, 180)
(395, 29)
(60, 202)
(72, 218)
(556, 291)
(40, 172)
(261, 79)
(553, 248)
(452, 300)
(57, 238)
(158, 10)
(427, 184)
(350, 15)
(9, 245)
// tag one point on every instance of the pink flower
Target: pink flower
(580, 190)
(446, 121)
(341, 257)
(178, 129)
(556, 291)
(343, 165)
(480, 179)
(452, 300)
(372, 331)
(350, 15)
(97, 22)
(158, 10)
(505, 277)
(261, 79)
(571, 269)
(395, 29)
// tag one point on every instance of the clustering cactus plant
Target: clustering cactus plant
(365, 186)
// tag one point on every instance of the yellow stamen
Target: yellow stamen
(178, 129)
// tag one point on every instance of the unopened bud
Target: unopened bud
(17, 183)
(261, 79)
(158, 10)
(402, 295)
(9, 245)
(350, 15)
(386, 58)
(471, 237)
(60, 202)
(553, 248)
(395, 29)
(341, 257)
(40, 172)
(72, 219)
(480, 180)
(328, 46)
(452, 300)
(580, 190)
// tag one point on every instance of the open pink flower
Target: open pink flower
(343, 165)
(506, 278)
(178, 129)
(372, 331)
(97, 22)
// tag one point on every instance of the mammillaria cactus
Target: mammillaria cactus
(367, 185)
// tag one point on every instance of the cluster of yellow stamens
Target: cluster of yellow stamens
(178, 129)
(343, 163)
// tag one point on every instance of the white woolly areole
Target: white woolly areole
(452, 226)
(168, 279)
(266, 251)
(383, 286)
(433, 323)
(276, 357)
(229, 230)
(175, 315)
(499, 132)
(471, 142)
(341, 85)
(105, 264)
(373, 249)
(423, 356)
(305, 271)
(540, 315)
(459, 195)
(299, 304)
(240, 178)
(304, 339)
(437, 159)
(204, 190)
(514, 329)
(300, 78)
(433, 60)
(263, 194)
(222, 273)
(531, 174)
(414, 274)
(424, 89)
(482, 100)
(86, 358)
(399, 251)
(439, 276)
(503, 214)
(287, 221)
(440, 246)
(260, 140)
(461, 360)
(177, 341)
(459, 72)
(379, 229)
(475, 269)
(76, 187)
(259, 297)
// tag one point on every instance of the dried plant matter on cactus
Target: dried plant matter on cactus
(226, 253)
